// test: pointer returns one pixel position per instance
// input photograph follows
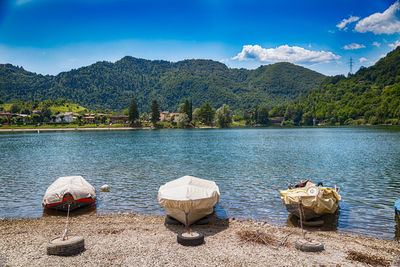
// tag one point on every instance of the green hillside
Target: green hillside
(106, 85)
(372, 95)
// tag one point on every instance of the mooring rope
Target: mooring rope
(301, 219)
(65, 234)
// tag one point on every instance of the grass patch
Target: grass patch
(257, 237)
(366, 258)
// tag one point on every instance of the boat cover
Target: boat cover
(190, 195)
(323, 201)
(77, 186)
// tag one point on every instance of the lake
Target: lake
(249, 165)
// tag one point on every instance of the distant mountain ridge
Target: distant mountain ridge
(106, 85)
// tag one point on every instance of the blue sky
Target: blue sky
(50, 36)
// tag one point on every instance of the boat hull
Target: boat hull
(193, 216)
(307, 214)
(70, 201)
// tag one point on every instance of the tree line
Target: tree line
(206, 115)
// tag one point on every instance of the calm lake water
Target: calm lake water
(249, 165)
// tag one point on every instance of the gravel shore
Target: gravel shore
(140, 240)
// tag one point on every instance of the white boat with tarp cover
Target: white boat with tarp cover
(188, 199)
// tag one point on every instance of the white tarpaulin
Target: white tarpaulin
(190, 195)
(77, 186)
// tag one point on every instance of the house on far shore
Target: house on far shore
(4, 114)
(65, 117)
(164, 116)
(118, 118)
(174, 116)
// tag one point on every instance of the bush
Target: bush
(288, 123)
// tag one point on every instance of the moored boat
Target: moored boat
(188, 199)
(73, 191)
(315, 201)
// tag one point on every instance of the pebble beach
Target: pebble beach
(142, 240)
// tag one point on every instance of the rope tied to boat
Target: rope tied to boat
(301, 219)
(65, 234)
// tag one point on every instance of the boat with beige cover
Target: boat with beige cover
(188, 199)
(315, 201)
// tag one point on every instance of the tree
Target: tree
(46, 112)
(195, 115)
(183, 120)
(155, 112)
(307, 119)
(207, 113)
(36, 118)
(79, 119)
(15, 108)
(223, 116)
(190, 111)
(262, 115)
(181, 108)
(187, 108)
(133, 113)
(1, 102)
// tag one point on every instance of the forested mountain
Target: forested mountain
(372, 95)
(106, 85)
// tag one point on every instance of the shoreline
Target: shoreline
(144, 240)
(71, 129)
(49, 129)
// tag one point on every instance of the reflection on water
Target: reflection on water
(331, 222)
(249, 165)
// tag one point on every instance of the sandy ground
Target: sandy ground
(139, 240)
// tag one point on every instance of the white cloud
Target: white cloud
(376, 44)
(395, 44)
(353, 46)
(363, 59)
(380, 23)
(344, 22)
(286, 53)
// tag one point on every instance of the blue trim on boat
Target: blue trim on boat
(397, 206)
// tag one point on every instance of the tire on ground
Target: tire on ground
(190, 240)
(71, 246)
(307, 246)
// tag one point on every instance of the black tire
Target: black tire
(191, 240)
(71, 246)
(172, 221)
(307, 246)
